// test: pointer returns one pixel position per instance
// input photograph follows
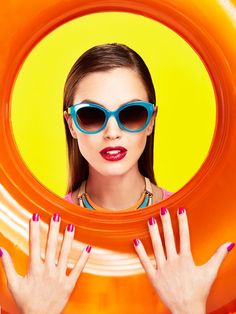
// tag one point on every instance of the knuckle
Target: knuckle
(166, 221)
(67, 286)
(34, 237)
(154, 231)
(141, 255)
(186, 255)
(182, 218)
(35, 269)
(184, 233)
(50, 272)
(183, 222)
(51, 275)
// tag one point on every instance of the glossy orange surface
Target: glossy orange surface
(209, 197)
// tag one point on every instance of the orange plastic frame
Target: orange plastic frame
(209, 27)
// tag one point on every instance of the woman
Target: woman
(109, 108)
(108, 153)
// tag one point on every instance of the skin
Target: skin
(110, 184)
(45, 288)
(182, 286)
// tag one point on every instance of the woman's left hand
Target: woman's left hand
(181, 285)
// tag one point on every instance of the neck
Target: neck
(115, 192)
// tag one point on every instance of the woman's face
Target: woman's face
(111, 89)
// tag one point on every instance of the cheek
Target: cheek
(85, 145)
(138, 144)
(88, 146)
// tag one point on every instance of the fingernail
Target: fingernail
(70, 227)
(151, 221)
(56, 217)
(181, 210)
(88, 248)
(230, 247)
(136, 242)
(1, 252)
(35, 217)
(163, 210)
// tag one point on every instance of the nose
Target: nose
(112, 129)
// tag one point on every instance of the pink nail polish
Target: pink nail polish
(151, 221)
(1, 252)
(181, 210)
(35, 217)
(56, 217)
(136, 242)
(70, 227)
(163, 210)
(230, 247)
(88, 248)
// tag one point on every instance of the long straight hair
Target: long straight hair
(102, 58)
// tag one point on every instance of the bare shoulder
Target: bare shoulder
(157, 193)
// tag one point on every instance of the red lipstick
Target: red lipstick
(113, 153)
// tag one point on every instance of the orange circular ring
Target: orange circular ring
(209, 196)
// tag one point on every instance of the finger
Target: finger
(79, 266)
(34, 241)
(11, 274)
(156, 242)
(217, 258)
(168, 233)
(52, 240)
(185, 248)
(144, 259)
(66, 247)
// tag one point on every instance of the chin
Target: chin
(113, 171)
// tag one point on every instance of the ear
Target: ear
(151, 123)
(70, 124)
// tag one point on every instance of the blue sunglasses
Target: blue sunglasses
(92, 118)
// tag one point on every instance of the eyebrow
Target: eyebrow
(94, 102)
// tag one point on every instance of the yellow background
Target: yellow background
(185, 97)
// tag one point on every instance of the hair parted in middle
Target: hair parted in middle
(104, 58)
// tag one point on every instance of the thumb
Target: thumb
(217, 258)
(11, 274)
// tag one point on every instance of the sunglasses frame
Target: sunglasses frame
(147, 105)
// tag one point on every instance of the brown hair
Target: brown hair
(103, 58)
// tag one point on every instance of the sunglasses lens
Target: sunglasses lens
(90, 119)
(133, 117)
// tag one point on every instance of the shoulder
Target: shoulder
(72, 197)
(159, 193)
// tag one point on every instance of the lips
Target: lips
(107, 149)
(113, 153)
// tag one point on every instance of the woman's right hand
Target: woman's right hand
(45, 288)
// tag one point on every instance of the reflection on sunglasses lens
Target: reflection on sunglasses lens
(90, 119)
(133, 117)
